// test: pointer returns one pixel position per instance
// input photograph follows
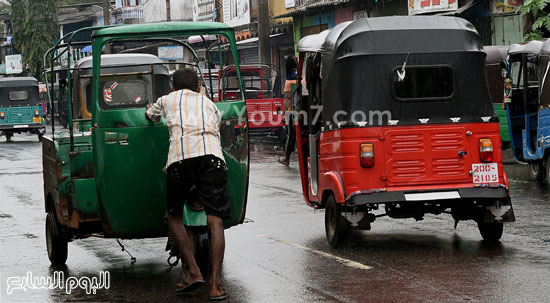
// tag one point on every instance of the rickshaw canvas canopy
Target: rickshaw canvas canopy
(495, 54)
(390, 33)
(545, 48)
(18, 82)
(532, 47)
(125, 60)
(359, 59)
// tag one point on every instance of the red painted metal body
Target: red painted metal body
(265, 113)
(407, 158)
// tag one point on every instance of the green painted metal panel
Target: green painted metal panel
(508, 29)
(129, 152)
(503, 122)
(512, 30)
(130, 182)
(85, 201)
(498, 30)
(193, 218)
(16, 115)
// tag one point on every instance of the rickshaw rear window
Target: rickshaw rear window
(125, 91)
(423, 83)
(18, 95)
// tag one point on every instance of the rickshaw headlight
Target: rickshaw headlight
(366, 155)
(485, 150)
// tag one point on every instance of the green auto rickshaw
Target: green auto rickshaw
(104, 178)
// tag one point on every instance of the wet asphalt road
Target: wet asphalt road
(281, 255)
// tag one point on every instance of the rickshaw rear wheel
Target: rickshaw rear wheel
(8, 136)
(40, 137)
(56, 242)
(202, 251)
(335, 224)
(537, 171)
(548, 169)
(491, 232)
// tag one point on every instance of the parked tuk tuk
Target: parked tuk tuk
(265, 111)
(395, 113)
(20, 107)
(104, 177)
(496, 78)
(529, 106)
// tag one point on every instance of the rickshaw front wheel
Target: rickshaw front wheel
(537, 171)
(202, 251)
(335, 223)
(491, 232)
(56, 242)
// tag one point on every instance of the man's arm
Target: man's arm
(155, 111)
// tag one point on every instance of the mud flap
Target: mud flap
(357, 220)
(498, 212)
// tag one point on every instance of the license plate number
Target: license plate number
(485, 173)
(36, 119)
(21, 126)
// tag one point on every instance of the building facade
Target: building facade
(497, 21)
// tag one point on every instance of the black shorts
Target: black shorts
(202, 178)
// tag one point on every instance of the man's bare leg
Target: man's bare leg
(175, 223)
(217, 248)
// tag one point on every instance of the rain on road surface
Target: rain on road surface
(281, 255)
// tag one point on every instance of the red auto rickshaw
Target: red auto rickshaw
(394, 114)
(265, 111)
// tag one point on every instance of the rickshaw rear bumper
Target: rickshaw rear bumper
(470, 193)
(23, 127)
(487, 204)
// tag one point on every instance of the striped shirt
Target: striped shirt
(194, 124)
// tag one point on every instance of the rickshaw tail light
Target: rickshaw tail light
(36, 113)
(366, 155)
(2, 115)
(485, 150)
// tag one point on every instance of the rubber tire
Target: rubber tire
(56, 243)
(8, 137)
(537, 171)
(548, 170)
(335, 224)
(40, 137)
(202, 251)
(491, 232)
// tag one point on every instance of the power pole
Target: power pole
(263, 32)
(107, 20)
(168, 15)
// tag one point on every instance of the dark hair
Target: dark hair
(185, 78)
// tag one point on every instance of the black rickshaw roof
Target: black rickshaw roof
(496, 53)
(532, 47)
(18, 82)
(381, 35)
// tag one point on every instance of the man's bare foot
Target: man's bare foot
(190, 283)
(283, 161)
(219, 294)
